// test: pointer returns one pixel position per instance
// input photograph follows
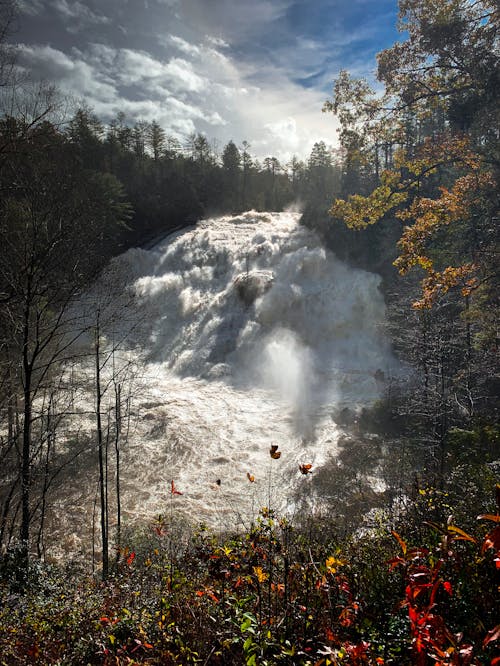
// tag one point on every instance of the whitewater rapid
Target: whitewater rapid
(249, 333)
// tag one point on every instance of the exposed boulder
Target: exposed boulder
(249, 286)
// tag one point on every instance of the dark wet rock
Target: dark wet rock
(249, 286)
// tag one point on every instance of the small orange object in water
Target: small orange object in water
(173, 489)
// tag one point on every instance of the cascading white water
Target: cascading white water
(252, 333)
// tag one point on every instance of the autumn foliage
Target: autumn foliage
(274, 594)
(428, 143)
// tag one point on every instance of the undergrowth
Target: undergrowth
(274, 594)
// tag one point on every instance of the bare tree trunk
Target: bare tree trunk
(94, 511)
(101, 454)
(118, 427)
(46, 475)
(6, 510)
(26, 445)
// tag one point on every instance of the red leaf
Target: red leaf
(130, 558)
(395, 562)
(466, 651)
(412, 614)
(447, 586)
(492, 635)
(492, 540)
(173, 489)
(329, 634)
(159, 531)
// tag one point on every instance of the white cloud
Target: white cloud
(181, 44)
(130, 67)
(182, 76)
(218, 42)
(55, 60)
(78, 11)
(97, 76)
(72, 75)
(284, 131)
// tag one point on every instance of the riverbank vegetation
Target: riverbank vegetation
(279, 593)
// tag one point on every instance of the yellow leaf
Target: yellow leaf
(333, 564)
(261, 575)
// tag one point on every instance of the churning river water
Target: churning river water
(248, 333)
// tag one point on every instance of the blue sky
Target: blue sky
(256, 70)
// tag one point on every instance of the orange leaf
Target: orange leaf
(305, 469)
(489, 516)
(402, 543)
(462, 536)
(250, 477)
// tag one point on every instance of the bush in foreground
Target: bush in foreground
(275, 594)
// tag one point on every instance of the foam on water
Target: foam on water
(251, 333)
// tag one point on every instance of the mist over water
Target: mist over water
(252, 333)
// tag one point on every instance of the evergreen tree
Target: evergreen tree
(156, 140)
(231, 161)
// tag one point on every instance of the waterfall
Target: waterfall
(251, 333)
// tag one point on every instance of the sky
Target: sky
(254, 70)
